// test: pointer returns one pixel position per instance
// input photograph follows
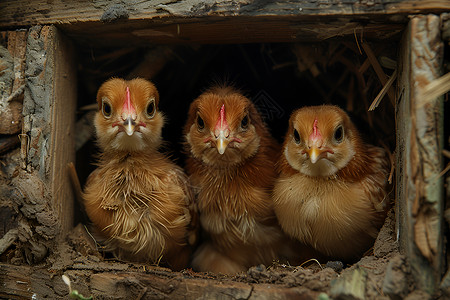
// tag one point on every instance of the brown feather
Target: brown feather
(338, 214)
(139, 202)
(233, 189)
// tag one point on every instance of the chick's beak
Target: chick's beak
(315, 154)
(222, 142)
(129, 125)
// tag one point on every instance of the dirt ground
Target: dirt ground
(382, 274)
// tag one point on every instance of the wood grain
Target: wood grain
(25, 282)
(419, 195)
(62, 120)
(23, 13)
(115, 23)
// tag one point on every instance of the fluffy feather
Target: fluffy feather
(331, 193)
(139, 202)
(231, 165)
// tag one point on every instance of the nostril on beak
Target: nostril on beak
(129, 125)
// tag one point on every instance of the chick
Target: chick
(331, 193)
(231, 165)
(140, 203)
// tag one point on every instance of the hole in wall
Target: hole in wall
(278, 77)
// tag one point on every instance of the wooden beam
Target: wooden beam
(43, 187)
(25, 282)
(226, 30)
(26, 13)
(62, 120)
(50, 105)
(115, 23)
(419, 195)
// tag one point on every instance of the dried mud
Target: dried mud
(383, 273)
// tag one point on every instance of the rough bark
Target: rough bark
(419, 146)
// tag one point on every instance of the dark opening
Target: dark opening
(277, 77)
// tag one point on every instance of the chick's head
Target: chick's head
(128, 118)
(320, 140)
(223, 127)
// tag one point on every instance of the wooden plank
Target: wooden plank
(15, 282)
(189, 21)
(62, 120)
(43, 187)
(132, 285)
(25, 282)
(419, 195)
(23, 13)
(226, 30)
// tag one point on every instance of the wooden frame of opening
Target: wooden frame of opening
(50, 100)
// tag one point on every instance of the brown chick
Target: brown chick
(139, 202)
(331, 193)
(231, 163)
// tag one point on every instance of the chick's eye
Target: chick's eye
(339, 134)
(151, 108)
(297, 139)
(200, 123)
(106, 109)
(244, 122)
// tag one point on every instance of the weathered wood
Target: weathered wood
(42, 188)
(90, 275)
(12, 66)
(419, 194)
(24, 282)
(23, 13)
(116, 23)
(10, 117)
(62, 120)
(16, 46)
(226, 30)
(436, 88)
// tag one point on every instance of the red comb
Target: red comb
(222, 115)
(128, 99)
(315, 135)
(127, 106)
(222, 122)
(315, 127)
